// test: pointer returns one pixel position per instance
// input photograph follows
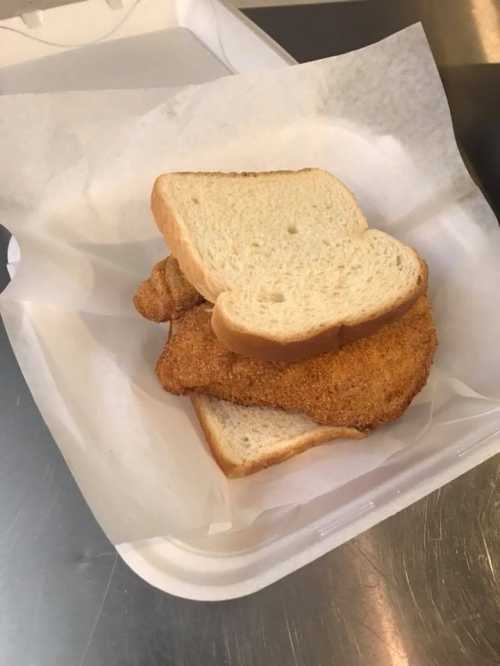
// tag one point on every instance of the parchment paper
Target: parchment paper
(76, 171)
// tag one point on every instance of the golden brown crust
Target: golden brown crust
(152, 298)
(184, 295)
(166, 293)
(297, 445)
(245, 342)
(364, 384)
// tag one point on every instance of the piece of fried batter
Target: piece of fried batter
(364, 384)
(166, 293)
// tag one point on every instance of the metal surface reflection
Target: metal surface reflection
(419, 589)
(486, 17)
(429, 577)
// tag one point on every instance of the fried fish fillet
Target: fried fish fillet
(364, 384)
(166, 293)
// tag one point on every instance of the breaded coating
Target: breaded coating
(366, 383)
(166, 293)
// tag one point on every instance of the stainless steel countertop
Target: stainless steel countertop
(419, 589)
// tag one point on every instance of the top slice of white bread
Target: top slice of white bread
(244, 440)
(286, 257)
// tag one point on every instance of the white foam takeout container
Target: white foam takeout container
(175, 42)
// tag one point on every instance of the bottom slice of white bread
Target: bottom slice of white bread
(244, 440)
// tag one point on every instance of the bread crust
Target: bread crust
(241, 340)
(182, 249)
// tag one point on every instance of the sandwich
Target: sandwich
(293, 322)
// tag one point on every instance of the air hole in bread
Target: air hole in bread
(292, 229)
(273, 297)
(255, 244)
(195, 200)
